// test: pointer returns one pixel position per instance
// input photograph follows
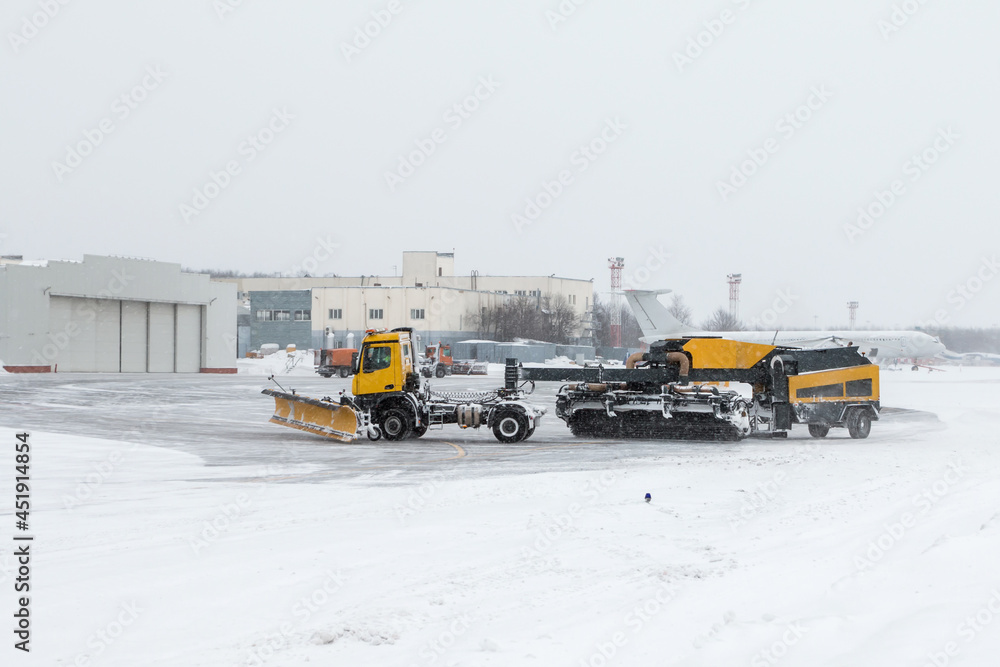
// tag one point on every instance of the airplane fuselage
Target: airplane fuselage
(657, 323)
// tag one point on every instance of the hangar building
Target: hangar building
(115, 315)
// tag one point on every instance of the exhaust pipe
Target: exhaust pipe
(635, 358)
(682, 360)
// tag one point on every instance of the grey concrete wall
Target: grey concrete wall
(283, 333)
(571, 351)
(219, 330)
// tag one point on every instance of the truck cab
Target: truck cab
(385, 364)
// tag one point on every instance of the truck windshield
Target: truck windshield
(377, 358)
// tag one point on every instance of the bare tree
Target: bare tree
(601, 322)
(679, 309)
(230, 273)
(559, 320)
(486, 321)
(602, 325)
(967, 340)
(721, 320)
(631, 331)
(548, 317)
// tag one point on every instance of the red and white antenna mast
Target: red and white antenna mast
(734, 295)
(616, 264)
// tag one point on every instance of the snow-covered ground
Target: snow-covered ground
(175, 526)
(300, 362)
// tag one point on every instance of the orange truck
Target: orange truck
(335, 362)
(437, 361)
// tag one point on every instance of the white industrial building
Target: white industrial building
(111, 315)
(427, 296)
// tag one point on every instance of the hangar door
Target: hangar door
(110, 336)
(161, 338)
(187, 346)
(87, 333)
(135, 332)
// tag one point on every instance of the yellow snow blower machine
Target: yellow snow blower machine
(389, 400)
(680, 389)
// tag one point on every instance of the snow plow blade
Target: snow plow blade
(322, 417)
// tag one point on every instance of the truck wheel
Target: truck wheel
(395, 424)
(418, 431)
(818, 430)
(345, 372)
(439, 372)
(859, 423)
(510, 427)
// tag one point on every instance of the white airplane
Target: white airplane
(657, 323)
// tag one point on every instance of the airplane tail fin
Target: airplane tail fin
(654, 319)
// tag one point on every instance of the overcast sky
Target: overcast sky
(822, 106)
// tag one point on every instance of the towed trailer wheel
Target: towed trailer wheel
(859, 423)
(510, 427)
(819, 430)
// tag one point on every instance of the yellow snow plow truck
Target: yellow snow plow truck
(389, 400)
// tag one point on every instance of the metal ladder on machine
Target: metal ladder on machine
(435, 422)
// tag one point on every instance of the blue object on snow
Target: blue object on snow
(648, 497)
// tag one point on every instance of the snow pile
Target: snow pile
(281, 362)
(2, 370)
(566, 362)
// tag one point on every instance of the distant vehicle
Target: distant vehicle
(437, 361)
(335, 362)
(657, 323)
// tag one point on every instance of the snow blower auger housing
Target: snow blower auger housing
(390, 401)
(679, 389)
